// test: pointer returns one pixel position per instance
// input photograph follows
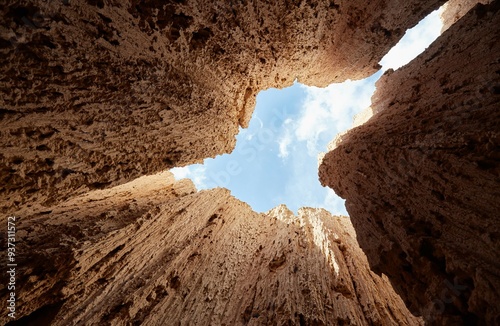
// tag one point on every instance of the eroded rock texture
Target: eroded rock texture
(96, 93)
(453, 10)
(422, 176)
(156, 252)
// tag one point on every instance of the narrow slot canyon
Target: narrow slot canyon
(100, 99)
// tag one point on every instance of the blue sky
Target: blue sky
(276, 158)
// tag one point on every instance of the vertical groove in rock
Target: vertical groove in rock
(155, 252)
(421, 178)
(97, 93)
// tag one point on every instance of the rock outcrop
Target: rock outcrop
(453, 10)
(421, 178)
(156, 252)
(96, 93)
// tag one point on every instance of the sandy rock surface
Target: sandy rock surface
(421, 177)
(156, 252)
(97, 93)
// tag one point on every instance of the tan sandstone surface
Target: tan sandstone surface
(156, 252)
(422, 176)
(453, 10)
(96, 93)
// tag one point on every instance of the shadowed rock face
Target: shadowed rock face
(156, 252)
(421, 177)
(96, 93)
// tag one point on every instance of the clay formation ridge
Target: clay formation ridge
(156, 252)
(96, 93)
(422, 176)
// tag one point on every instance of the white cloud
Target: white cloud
(284, 142)
(245, 134)
(333, 203)
(415, 41)
(196, 172)
(328, 111)
(181, 173)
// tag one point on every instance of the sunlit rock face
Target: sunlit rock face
(453, 10)
(97, 93)
(156, 252)
(422, 176)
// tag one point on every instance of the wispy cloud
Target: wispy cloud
(275, 160)
(333, 203)
(323, 113)
(328, 111)
(286, 138)
(284, 142)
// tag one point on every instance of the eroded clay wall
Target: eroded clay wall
(96, 93)
(421, 177)
(156, 252)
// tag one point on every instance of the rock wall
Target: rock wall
(96, 93)
(453, 10)
(422, 176)
(156, 252)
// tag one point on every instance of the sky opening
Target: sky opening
(276, 158)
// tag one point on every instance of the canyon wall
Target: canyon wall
(421, 178)
(453, 10)
(96, 93)
(156, 252)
